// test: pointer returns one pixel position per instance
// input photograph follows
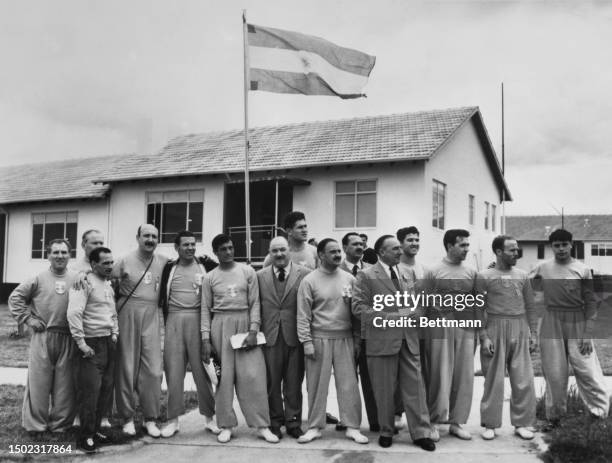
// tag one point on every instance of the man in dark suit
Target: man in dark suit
(278, 286)
(392, 353)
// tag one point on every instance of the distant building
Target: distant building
(592, 239)
(433, 169)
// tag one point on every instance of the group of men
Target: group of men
(307, 312)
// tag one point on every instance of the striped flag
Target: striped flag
(290, 62)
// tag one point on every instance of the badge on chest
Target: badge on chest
(60, 287)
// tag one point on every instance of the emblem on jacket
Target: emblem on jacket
(60, 287)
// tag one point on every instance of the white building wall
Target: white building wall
(19, 262)
(398, 198)
(461, 165)
(129, 211)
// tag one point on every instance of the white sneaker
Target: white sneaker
(435, 433)
(152, 429)
(524, 433)
(354, 434)
(170, 429)
(458, 431)
(399, 422)
(488, 434)
(129, 429)
(225, 435)
(267, 435)
(309, 436)
(105, 423)
(211, 425)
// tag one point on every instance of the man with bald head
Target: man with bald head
(139, 362)
(278, 286)
(91, 239)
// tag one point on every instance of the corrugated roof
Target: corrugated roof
(69, 179)
(587, 227)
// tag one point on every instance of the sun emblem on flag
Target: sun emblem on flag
(306, 63)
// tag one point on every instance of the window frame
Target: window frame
(187, 211)
(435, 205)
(355, 194)
(44, 240)
(471, 209)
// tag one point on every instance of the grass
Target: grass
(578, 438)
(11, 432)
(13, 352)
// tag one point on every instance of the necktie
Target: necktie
(281, 274)
(394, 279)
(355, 270)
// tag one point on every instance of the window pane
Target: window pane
(71, 236)
(174, 219)
(594, 251)
(366, 210)
(602, 251)
(38, 218)
(366, 186)
(609, 252)
(176, 196)
(151, 214)
(345, 211)
(37, 238)
(196, 196)
(345, 187)
(55, 217)
(195, 219)
(154, 198)
(71, 217)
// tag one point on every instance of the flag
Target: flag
(290, 62)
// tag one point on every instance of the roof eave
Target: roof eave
(109, 180)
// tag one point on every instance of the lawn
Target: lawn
(13, 352)
(11, 432)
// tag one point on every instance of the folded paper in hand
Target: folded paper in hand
(239, 338)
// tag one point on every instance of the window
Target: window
(356, 204)
(541, 250)
(471, 200)
(173, 211)
(439, 199)
(50, 226)
(486, 215)
(601, 249)
(493, 216)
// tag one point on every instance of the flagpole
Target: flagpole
(503, 153)
(247, 182)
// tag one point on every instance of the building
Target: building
(433, 169)
(592, 239)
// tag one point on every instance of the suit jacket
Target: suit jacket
(275, 311)
(383, 341)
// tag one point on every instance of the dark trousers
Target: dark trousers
(368, 393)
(96, 384)
(285, 369)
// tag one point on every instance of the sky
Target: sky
(91, 78)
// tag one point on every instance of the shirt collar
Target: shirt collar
(388, 269)
(287, 269)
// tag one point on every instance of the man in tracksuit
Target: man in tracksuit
(180, 299)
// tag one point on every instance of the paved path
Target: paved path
(192, 443)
